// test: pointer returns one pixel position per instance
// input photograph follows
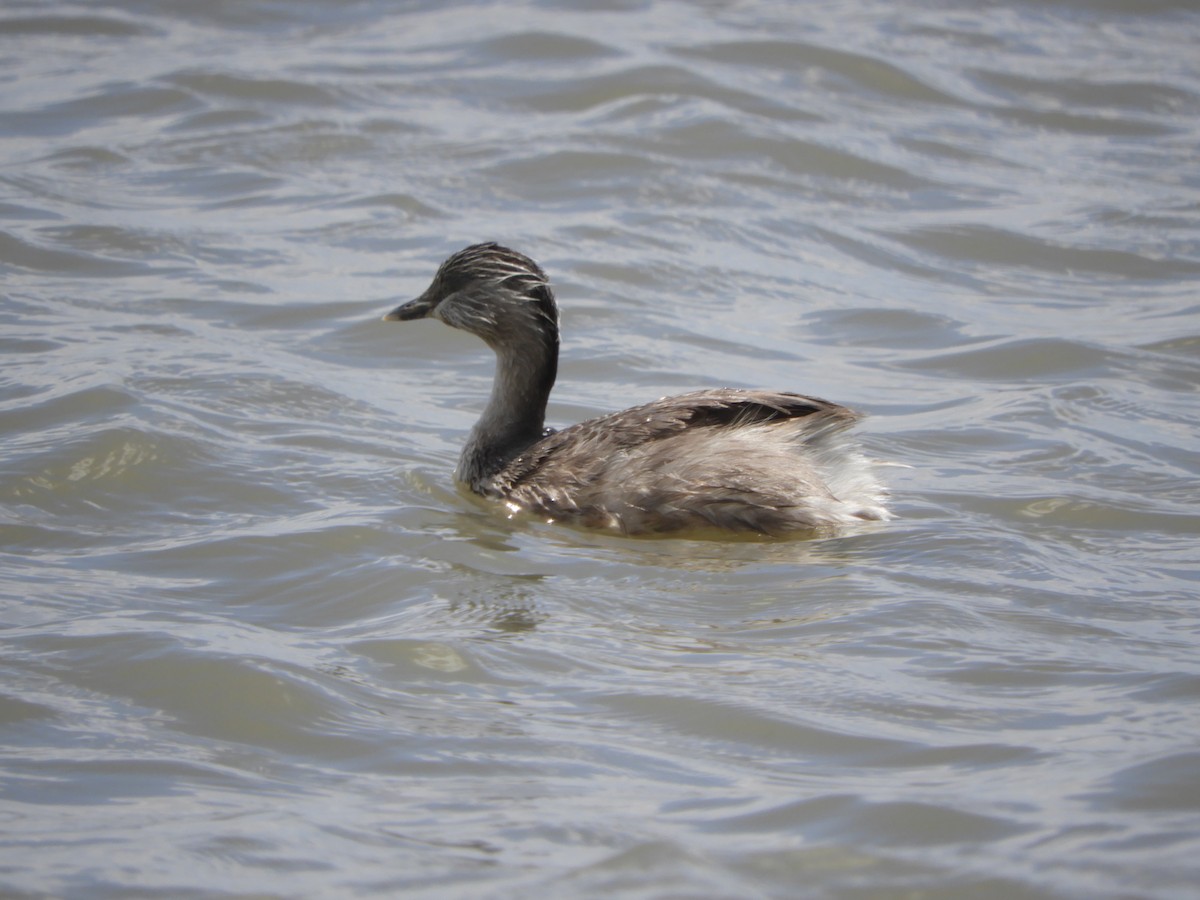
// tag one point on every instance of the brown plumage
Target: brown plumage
(766, 462)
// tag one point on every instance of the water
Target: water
(256, 644)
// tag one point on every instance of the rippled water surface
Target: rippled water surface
(254, 641)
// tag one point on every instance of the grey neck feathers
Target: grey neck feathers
(516, 412)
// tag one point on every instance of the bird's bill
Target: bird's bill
(413, 309)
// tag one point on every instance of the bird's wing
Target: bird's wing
(570, 455)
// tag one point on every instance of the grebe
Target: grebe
(766, 462)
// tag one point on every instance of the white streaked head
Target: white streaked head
(489, 290)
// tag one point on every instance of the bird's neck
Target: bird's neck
(515, 415)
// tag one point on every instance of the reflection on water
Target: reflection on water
(257, 642)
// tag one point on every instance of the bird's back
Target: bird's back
(758, 461)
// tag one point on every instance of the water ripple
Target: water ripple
(256, 640)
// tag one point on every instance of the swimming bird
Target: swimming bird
(764, 462)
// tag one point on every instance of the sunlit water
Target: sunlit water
(256, 643)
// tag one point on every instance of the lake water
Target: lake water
(256, 644)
